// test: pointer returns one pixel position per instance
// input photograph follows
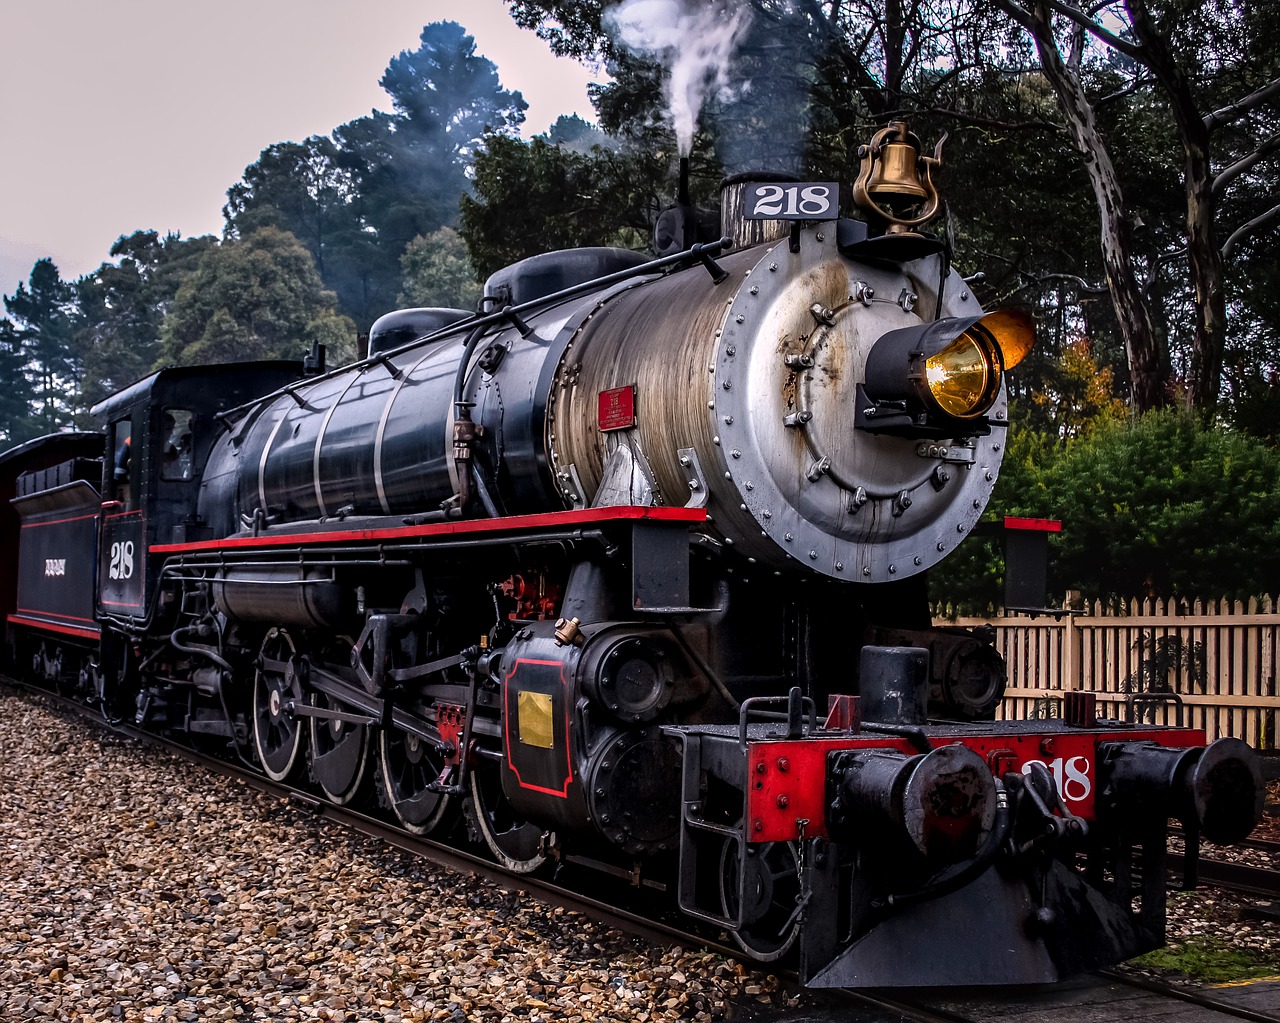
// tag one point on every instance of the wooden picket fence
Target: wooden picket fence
(1207, 664)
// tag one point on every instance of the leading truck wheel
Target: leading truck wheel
(515, 843)
(769, 897)
(277, 731)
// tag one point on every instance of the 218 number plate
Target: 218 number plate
(799, 200)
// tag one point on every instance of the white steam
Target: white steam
(693, 39)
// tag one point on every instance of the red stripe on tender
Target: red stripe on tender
(463, 527)
(1033, 525)
(55, 614)
(65, 630)
(58, 522)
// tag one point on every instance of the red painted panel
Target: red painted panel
(1033, 525)
(788, 776)
(616, 408)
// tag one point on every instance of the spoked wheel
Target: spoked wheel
(771, 894)
(339, 752)
(409, 766)
(277, 732)
(514, 842)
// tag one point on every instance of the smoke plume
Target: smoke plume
(694, 40)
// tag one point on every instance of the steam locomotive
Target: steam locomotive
(626, 571)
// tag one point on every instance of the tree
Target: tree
(357, 199)
(436, 272)
(16, 395)
(1164, 506)
(532, 197)
(1199, 57)
(121, 309)
(42, 313)
(258, 298)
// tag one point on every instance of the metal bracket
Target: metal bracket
(695, 478)
(571, 485)
(960, 453)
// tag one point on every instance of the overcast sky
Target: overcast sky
(121, 115)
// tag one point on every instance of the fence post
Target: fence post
(1070, 681)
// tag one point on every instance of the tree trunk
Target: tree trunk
(1132, 314)
(1203, 255)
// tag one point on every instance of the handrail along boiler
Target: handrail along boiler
(626, 572)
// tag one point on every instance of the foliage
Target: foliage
(1166, 664)
(436, 272)
(16, 395)
(1075, 395)
(1159, 506)
(358, 198)
(47, 366)
(121, 308)
(534, 196)
(1165, 506)
(260, 298)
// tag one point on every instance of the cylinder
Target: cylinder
(1218, 789)
(893, 684)
(943, 803)
(282, 596)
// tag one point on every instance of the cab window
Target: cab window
(175, 444)
(122, 461)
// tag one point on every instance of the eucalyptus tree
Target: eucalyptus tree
(1213, 68)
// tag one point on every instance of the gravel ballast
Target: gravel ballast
(136, 886)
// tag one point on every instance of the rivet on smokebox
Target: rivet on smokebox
(568, 631)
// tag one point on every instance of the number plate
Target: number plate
(797, 200)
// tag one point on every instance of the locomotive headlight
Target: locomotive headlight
(964, 378)
(941, 377)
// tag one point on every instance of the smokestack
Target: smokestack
(733, 219)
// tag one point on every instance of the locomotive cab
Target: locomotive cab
(158, 434)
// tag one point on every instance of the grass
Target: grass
(1209, 961)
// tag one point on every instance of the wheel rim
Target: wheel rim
(339, 752)
(514, 842)
(409, 766)
(772, 889)
(277, 732)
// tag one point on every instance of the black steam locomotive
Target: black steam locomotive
(626, 571)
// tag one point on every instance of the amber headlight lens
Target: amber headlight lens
(964, 378)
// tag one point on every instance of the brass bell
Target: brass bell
(894, 174)
(894, 179)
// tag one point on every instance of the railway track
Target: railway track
(1182, 1005)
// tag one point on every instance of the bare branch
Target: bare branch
(1087, 291)
(1096, 30)
(978, 121)
(1244, 230)
(1236, 110)
(1128, 90)
(1229, 174)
